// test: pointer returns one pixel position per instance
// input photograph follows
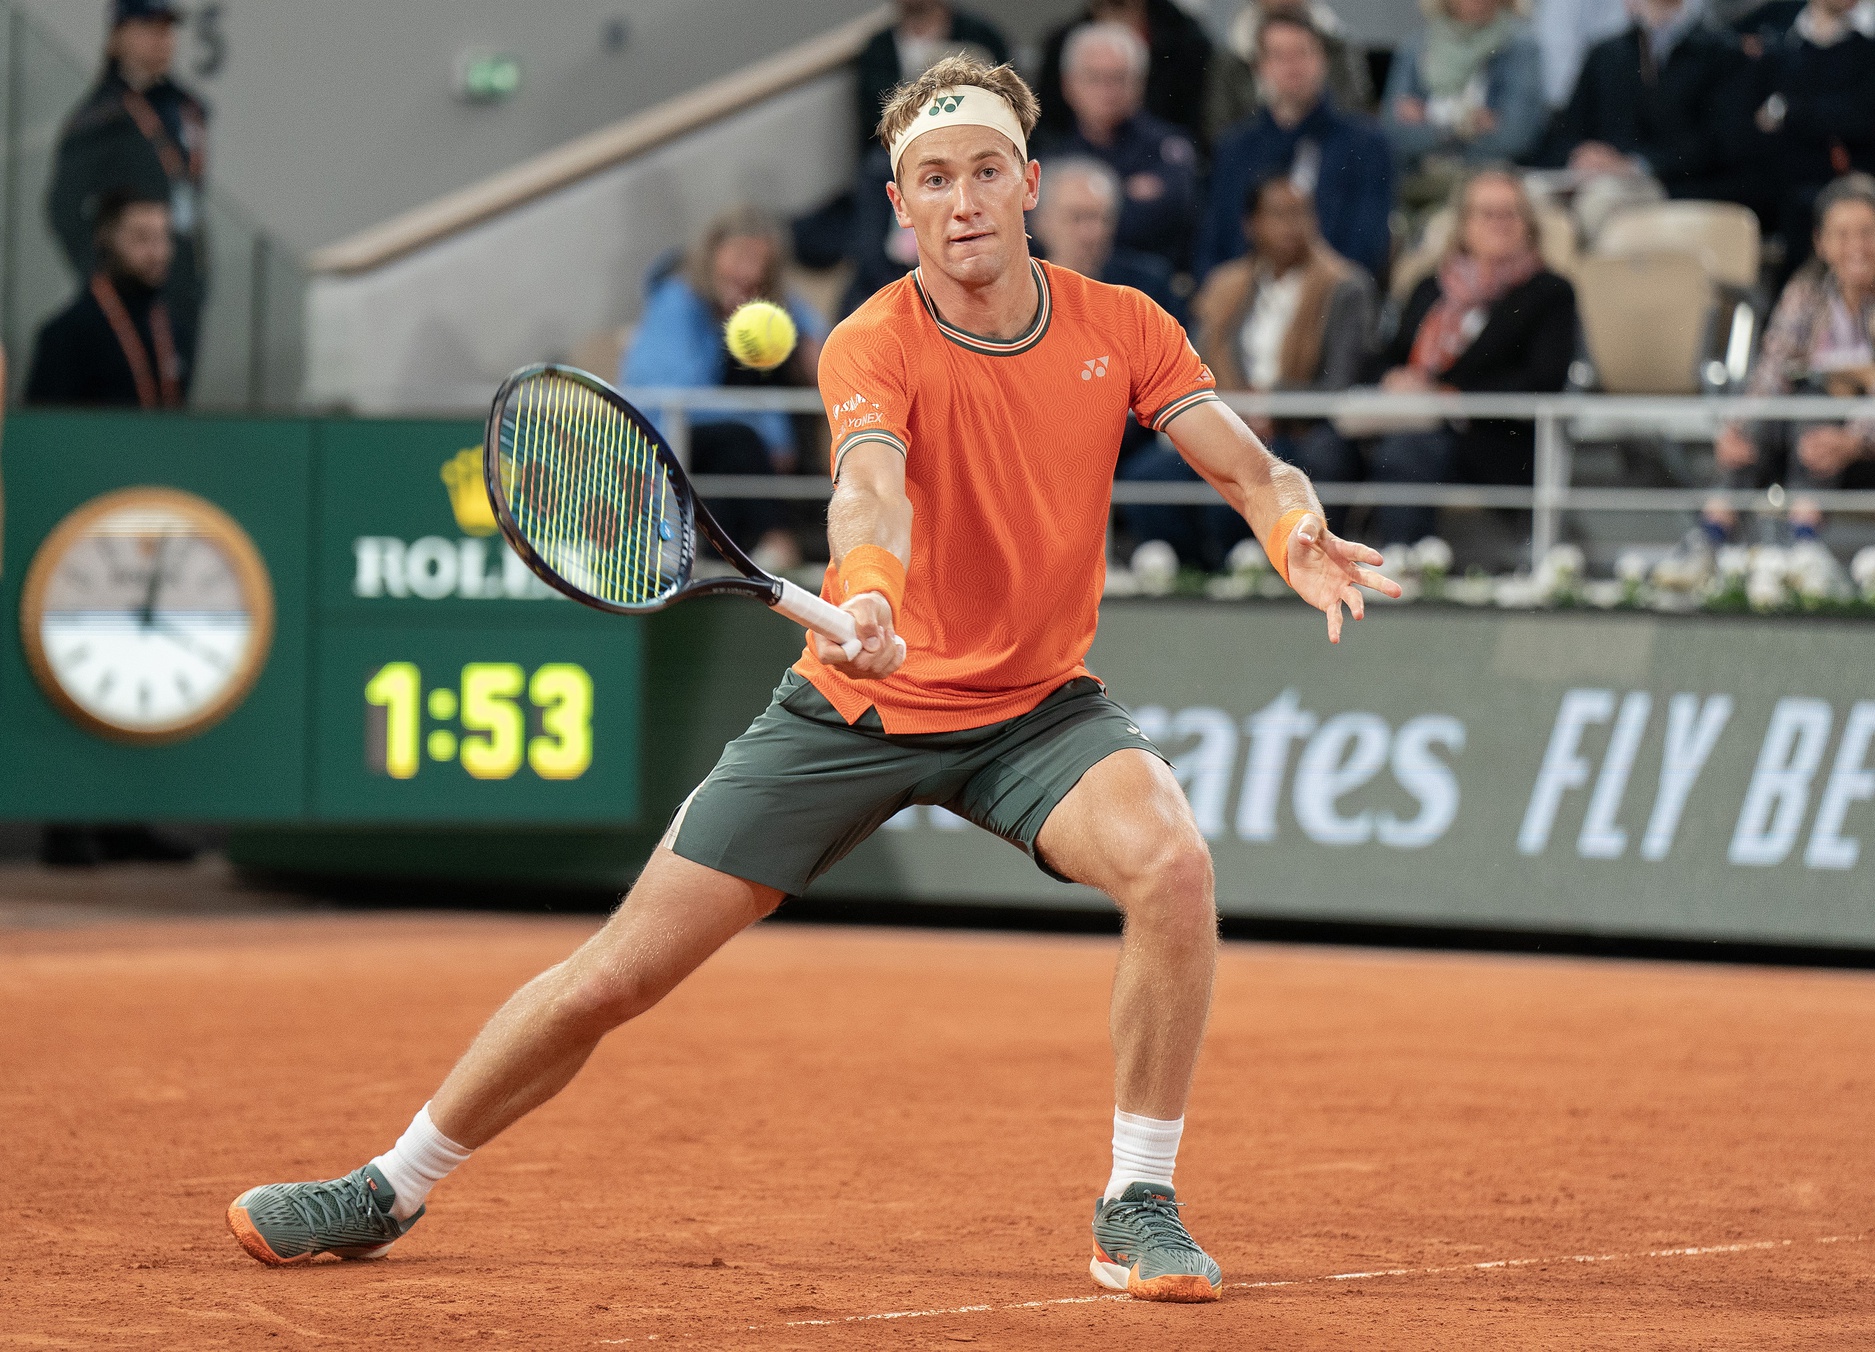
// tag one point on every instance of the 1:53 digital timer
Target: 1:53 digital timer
(499, 718)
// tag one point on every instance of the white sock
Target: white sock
(422, 1158)
(1144, 1150)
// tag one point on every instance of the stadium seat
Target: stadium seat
(1645, 319)
(1722, 235)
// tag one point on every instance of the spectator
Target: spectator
(879, 249)
(1292, 315)
(1175, 83)
(1492, 320)
(1103, 71)
(1565, 31)
(1465, 90)
(1667, 100)
(1338, 161)
(138, 129)
(926, 30)
(114, 345)
(1821, 340)
(1074, 224)
(1818, 104)
(1232, 93)
(679, 342)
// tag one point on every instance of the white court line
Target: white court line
(1694, 1251)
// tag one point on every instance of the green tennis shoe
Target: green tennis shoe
(1143, 1248)
(293, 1222)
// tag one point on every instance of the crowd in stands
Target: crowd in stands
(1320, 216)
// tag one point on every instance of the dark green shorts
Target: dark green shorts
(797, 791)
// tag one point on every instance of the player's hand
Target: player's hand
(881, 650)
(1328, 572)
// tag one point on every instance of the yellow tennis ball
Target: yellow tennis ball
(760, 335)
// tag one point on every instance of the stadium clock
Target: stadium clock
(147, 615)
(497, 720)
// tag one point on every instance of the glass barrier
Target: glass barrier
(250, 355)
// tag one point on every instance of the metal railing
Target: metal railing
(1549, 496)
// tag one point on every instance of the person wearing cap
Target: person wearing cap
(976, 408)
(139, 132)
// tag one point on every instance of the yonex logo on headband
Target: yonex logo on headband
(946, 109)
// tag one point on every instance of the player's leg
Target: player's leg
(1127, 829)
(676, 915)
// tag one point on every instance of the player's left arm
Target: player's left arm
(1275, 497)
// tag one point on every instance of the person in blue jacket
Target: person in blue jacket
(1342, 163)
(1468, 87)
(679, 343)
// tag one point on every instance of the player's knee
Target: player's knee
(1172, 886)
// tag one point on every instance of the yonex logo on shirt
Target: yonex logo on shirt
(1095, 366)
(948, 104)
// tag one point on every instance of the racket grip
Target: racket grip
(810, 611)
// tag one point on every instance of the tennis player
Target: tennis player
(977, 407)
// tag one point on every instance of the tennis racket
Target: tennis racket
(591, 497)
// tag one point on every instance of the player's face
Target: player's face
(963, 192)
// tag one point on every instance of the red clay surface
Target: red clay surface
(826, 1126)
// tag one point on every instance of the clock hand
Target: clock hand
(147, 616)
(182, 640)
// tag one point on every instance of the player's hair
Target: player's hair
(1120, 36)
(904, 104)
(737, 222)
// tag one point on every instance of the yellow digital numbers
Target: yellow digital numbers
(489, 690)
(563, 692)
(492, 708)
(394, 689)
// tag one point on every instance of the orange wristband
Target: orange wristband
(1277, 546)
(873, 568)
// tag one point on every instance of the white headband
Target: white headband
(963, 106)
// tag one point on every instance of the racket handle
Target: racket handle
(829, 621)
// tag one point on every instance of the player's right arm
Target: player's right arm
(869, 507)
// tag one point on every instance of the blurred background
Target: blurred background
(1568, 306)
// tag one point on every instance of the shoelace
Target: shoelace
(1159, 1219)
(334, 1204)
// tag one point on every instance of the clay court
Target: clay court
(847, 1138)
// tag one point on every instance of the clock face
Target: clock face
(147, 614)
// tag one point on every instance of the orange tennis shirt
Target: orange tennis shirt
(1010, 448)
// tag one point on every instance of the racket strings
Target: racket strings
(587, 490)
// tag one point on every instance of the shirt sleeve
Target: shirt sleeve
(866, 386)
(1168, 375)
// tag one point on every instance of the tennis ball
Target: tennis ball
(760, 335)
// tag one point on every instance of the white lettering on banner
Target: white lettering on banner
(1429, 779)
(1271, 731)
(1564, 766)
(1204, 771)
(1343, 756)
(1601, 838)
(1692, 731)
(1850, 781)
(433, 568)
(1774, 806)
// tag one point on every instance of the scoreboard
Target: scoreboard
(410, 668)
